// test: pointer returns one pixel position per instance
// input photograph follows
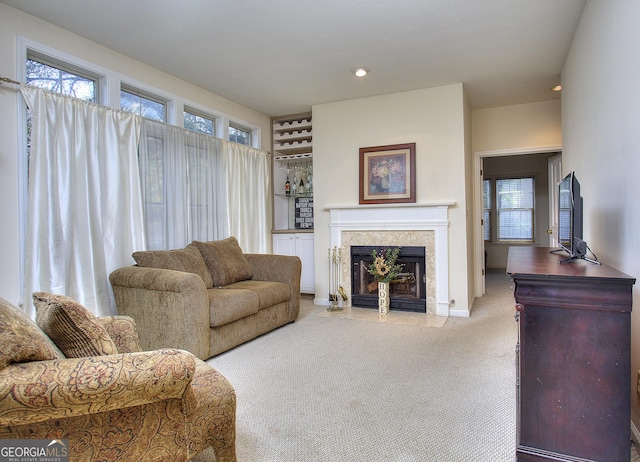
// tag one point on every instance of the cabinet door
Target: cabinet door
(284, 244)
(304, 250)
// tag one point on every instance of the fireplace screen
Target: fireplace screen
(407, 291)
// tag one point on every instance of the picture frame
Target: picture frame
(388, 174)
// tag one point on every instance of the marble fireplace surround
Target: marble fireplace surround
(424, 225)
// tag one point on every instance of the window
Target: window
(58, 79)
(239, 135)
(515, 209)
(134, 101)
(199, 122)
(486, 209)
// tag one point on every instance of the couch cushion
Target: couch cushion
(269, 293)
(228, 305)
(225, 261)
(188, 260)
(73, 328)
(21, 340)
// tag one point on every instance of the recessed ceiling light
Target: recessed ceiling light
(360, 71)
(557, 88)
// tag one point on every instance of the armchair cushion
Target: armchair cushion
(225, 260)
(20, 339)
(73, 328)
(122, 330)
(188, 260)
(43, 390)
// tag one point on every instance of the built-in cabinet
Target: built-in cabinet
(573, 358)
(300, 245)
(293, 214)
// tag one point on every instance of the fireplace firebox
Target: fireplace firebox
(407, 291)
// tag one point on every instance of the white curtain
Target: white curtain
(93, 201)
(181, 189)
(85, 214)
(248, 173)
(197, 187)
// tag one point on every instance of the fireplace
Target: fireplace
(407, 291)
(397, 225)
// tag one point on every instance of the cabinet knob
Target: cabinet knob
(519, 307)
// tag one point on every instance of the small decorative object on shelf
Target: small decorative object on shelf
(304, 212)
(385, 269)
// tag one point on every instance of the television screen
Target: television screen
(570, 219)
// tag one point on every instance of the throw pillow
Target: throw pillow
(225, 261)
(21, 340)
(188, 260)
(72, 327)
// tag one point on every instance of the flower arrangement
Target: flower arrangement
(384, 267)
(382, 172)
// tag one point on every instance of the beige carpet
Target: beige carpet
(332, 388)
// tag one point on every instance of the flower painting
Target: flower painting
(387, 174)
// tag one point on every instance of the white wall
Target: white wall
(601, 123)
(14, 24)
(432, 118)
(517, 127)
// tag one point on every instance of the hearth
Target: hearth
(408, 290)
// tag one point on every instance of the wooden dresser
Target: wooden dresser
(573, 358)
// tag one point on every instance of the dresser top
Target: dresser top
(539, 262)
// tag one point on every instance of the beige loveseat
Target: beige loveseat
(207, 297)
(82, 382)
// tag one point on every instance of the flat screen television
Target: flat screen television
(570, 219)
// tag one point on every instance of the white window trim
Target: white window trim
(253, 129)
(202, 113)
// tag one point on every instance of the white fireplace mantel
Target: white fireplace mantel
(401, 217)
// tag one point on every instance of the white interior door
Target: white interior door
(555, 176)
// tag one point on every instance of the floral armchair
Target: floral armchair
(80, 378)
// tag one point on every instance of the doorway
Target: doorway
(510, 157)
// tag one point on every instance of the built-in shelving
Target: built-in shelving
(292, 144)
(292, 135)
(292, 148)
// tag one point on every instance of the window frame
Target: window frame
(133, 90)
(195, 112)
(532, 209)
(33, 55)
(242, 128)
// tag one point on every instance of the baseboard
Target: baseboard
(460, 313)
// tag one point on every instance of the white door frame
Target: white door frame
(477, 204)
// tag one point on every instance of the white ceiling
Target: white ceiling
(283, 56)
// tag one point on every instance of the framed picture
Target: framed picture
(388, 174)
